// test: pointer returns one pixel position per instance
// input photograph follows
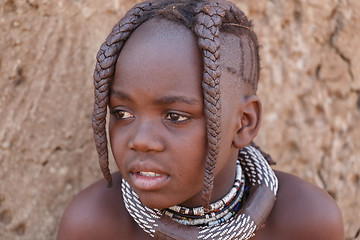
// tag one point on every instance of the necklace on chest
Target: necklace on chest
(229, 218)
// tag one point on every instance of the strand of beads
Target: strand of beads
(218, 205)
(230, 207)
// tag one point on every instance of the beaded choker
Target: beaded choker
(220, 211)
(217, 206)
(228, 219)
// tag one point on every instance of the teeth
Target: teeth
(150, 174)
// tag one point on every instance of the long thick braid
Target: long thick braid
(207, 28)
(211, 18)
(103, 75)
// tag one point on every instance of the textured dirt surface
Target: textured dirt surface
(310, 87)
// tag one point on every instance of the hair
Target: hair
(206, 19)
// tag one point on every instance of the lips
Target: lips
(148, 176)
(149, 181)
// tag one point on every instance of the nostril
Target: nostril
(146, 144)
(145, 137)
(140, 142)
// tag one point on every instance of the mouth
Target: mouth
(149, 180)
(149, 174)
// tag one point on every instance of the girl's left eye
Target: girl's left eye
(175, 117)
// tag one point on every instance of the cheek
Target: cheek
(112, 137)
(196, 150)
(116, 143)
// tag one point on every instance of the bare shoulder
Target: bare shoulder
(302, 211)
(97, 212)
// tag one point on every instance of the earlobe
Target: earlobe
(249, 121)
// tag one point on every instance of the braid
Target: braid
(211, 18)
(103, 75)
(207, 29)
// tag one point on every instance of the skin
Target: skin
(168, 137)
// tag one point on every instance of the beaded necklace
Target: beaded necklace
(222, 209)
(218, 205)
(238, 222)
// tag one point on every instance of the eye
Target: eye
(176, 117)
(121, 114)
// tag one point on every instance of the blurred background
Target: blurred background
(310, 88)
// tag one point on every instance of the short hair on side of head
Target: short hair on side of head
(246, 65)
(205, 18)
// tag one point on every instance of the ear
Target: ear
(248, 122)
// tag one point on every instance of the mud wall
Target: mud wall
(310, 87)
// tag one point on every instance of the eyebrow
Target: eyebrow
(160, 101)
(175, 99)
(119, 94)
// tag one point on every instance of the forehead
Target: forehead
(159, 49)
(161, 43)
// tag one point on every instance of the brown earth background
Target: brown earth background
(310, 88)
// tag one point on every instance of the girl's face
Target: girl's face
(157, 125)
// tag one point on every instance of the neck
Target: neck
(223, 182)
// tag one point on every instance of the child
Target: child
(179, 78)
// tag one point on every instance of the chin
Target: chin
(157, 202)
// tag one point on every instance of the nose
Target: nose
(146, 138)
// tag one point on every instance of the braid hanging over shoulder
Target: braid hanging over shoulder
(206, 19)
(207, 28)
